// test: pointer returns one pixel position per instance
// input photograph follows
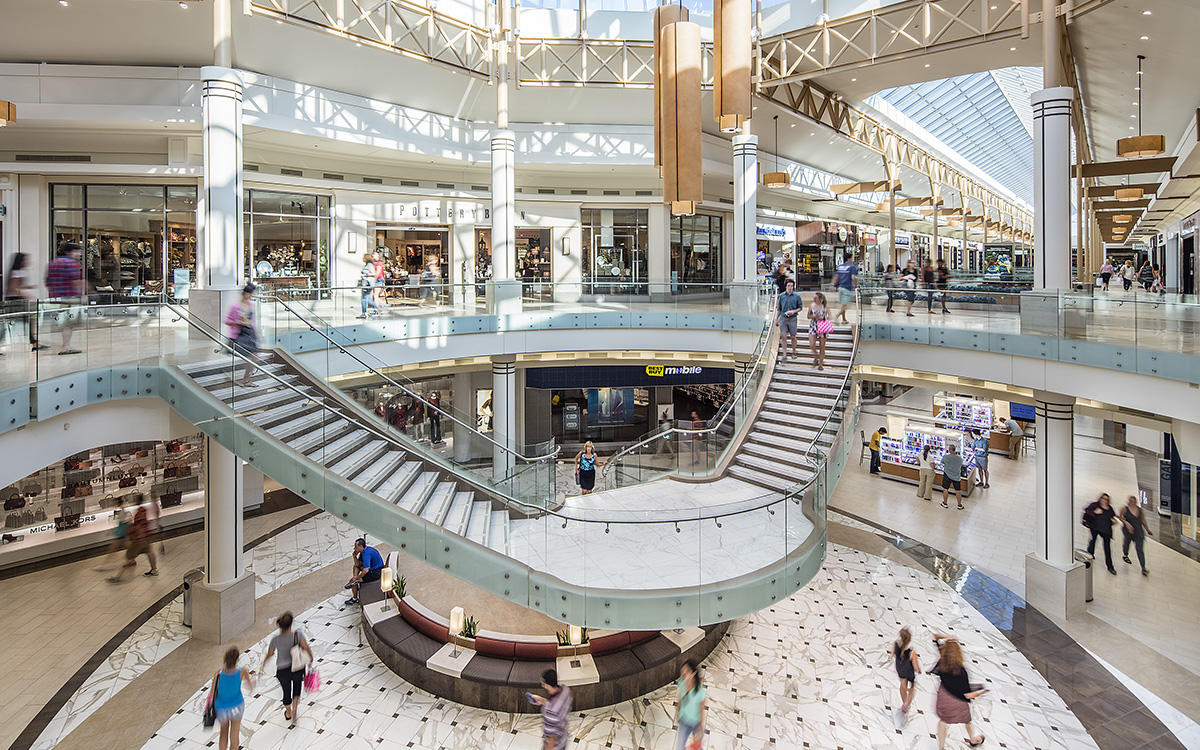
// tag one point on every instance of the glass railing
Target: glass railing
(690, 449)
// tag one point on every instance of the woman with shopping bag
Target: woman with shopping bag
(292, 658)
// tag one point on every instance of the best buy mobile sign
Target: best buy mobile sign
(658, 371)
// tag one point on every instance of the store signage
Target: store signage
(658, 371)
(776, 232)
(842, 234)
(431, 212)
(77, 520)
(570, 416)
(902, 240)
(870, 238)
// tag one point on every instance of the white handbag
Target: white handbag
(300, 659)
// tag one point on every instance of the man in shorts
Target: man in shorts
(952, 465)
(845, 278)
(790, 304)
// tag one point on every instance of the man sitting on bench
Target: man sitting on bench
(367, 567)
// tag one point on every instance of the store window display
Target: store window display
(695, 254)
(533, 262)
(287, 240)
(614, 250)
(415, 263)
(139, 240)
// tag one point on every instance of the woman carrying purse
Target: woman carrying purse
(293, 656)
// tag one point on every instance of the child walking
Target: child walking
(907, 666)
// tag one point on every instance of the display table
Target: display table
(912, 474)
(272, 283)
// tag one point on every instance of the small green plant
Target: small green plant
(470, 627)
(398, 586)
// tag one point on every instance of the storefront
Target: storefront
(287, 239)
(615, 250)
(139, 240)
(414, 257)
(617, 404)
(532, 262)
(776, 243)
(696, 256)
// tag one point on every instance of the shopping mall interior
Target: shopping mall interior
(547, 374)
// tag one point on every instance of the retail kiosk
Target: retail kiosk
(900, 456)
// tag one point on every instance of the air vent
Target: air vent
(545, 191)
(445, 186)
(80, 159)
(332, 176)
(291, 172)
(725, 200)
(409, 183)
(250, 167)
(480, 188)
(373, 180)
(643, 192)
(612, 192)
(578, 192)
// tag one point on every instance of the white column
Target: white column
(1055, 517)
(745, 214)
(223, 497)
(505, 289)
(658, 254)
(462, 405)
(1052, 188)
(219, 265)
(504, 414)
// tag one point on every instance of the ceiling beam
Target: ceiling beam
(1107, 191)
(1120, 205)
(858, 188)
(1127, 166)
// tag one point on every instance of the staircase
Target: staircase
(350, 445)
(799, 399)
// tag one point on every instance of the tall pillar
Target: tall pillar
(1052, 188)
(462, 405)
(892, 226)
(1054, 582)
(223, 604)
(219, 263)
(744, 295)
(504, 414)
(505, 289)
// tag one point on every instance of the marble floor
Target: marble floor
(812, 671)
(285, 557)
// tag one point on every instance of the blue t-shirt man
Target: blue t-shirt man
(845, 275)
(368, 567)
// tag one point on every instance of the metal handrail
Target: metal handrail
(413, 394)
(727, 407)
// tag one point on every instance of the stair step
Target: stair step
(299, 426)
(793, 419)
(418, 492)
(481, 517)
(438, 503)
(803, 429)
(269, 400)
(240, 393)
(219, 364)
(784, 450)
(230, 374)
(789, 473)
(807, 404)
(807, 385)
(394, 487)
(288, 411)
(761, 479)
(379, 472)
(326, 436)
(459, 513)
(498, 531)
(353, 464)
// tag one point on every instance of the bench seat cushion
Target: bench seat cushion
(655, 651)
(528, 674)
(616, 665)
(487, 669)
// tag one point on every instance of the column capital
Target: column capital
(1057, 399)
(503, 359)
(1052, 94)
(745, 139)
(503, 134)
(225, 75)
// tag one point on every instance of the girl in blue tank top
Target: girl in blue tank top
(228, 700)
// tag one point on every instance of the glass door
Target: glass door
(615, 264)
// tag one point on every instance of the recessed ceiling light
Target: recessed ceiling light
(1145, 38)
(183, 5)
(1012, 49)
(852, 80)
(1134, 116)
(927, 65)
(63, 3)
(1146, 13)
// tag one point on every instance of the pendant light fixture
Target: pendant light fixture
(731, 64)
(663, 15)
(679, 74)
(8, 113)
(1128, 193)
(1122, 219)
(1139, 145)
(776, 179)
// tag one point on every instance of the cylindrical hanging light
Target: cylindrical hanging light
(1139, 145)
(1128, 194)
(776, 178)
(683, 175)
(1122, 219)
(731, 64)
(8, 113)
(663, 15)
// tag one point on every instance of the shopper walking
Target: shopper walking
(1106, 272)
(240, 321)
(1128, 274)
(21, 290)
(368, 567)
(955, 693)
(907, 666)
(929, 282)
(292, 657)
(225, 694)
(585, 467)
(435, 418)
(139, 544)
(889, 284)
(980, 447)
(556, 711)
(789, 304)
(1135, 528)
(926, 475)
(909, 279)
(876, 438)
(1099, 518)
(1146, 275)
(380, 268)
(692, 709)
(664, 426)
(952, 464)
(818, 313)
(366, 286)
(120, 534)
(943, 282)
(845, 279)
(782, 276)
(64, 282)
